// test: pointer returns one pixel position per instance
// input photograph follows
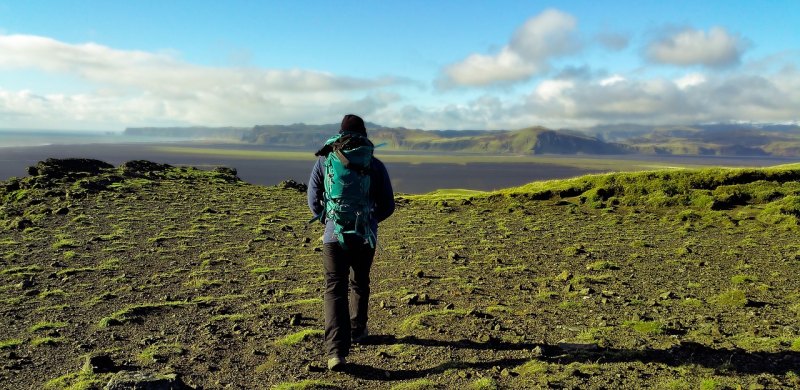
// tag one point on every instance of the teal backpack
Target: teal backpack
(347, 182)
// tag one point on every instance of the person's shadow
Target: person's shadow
(730, 360)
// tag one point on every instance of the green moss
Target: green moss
(263, 270)
(533, 368)
(573, 250)
(308, 384)
(9, 343)
(300, 302)
(751, 342)
(730, 299)
(743, 279)
(214, 299)
(570, 305)
(484, 384)
(65, 243)
(27, 270)
(795, 345)
(419, 384)
(83, 380)
(47, 326)
(8, 242)
(646, 327)
(709, 384)
(675, 384)
(420, 320)
(691, 302)
(297, 337)
(46, 341)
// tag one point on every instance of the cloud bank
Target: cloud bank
(142, 87)
(119, 88)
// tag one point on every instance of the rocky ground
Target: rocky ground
(194, 279)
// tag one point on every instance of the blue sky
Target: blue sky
(103, 65)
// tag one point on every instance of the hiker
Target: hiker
(350, 192)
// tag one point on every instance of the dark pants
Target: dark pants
(345, 317)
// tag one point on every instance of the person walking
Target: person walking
(350, 192)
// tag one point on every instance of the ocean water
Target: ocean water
(21, 138)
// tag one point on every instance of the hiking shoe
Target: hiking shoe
(360, 338)
(336, 363)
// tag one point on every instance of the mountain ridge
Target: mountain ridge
(715, 139)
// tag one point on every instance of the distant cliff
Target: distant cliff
(189, 132)
(728, 139)
(536, 140)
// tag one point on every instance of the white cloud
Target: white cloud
(690, 80)
(553, 89)
(479, 69)
(136, 87)
(541, 38)
(546, 35)
(715, 48)
(612, 80)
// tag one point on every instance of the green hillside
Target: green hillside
(660, 279)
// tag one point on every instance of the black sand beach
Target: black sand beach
(406, 177)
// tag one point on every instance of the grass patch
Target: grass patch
(300, 302)
(46, 341)
(730, 299)
(483, 384)
(8, 242)
(17, 271)
(308, 384)
(300, 336)
(9, 343)
(646, 327)
(691, 302)
(710, 384)
(420, 320)
(795, 345)
(263, 270)
(601, 266)
(83, 380)
(533, 368)
(52, 293)
(419, 384)
(47, 326)
(213, 299)
(743, 279)
(65, 243)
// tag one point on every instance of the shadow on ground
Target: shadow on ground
(726, 360)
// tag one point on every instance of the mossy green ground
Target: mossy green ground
(664, 279)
